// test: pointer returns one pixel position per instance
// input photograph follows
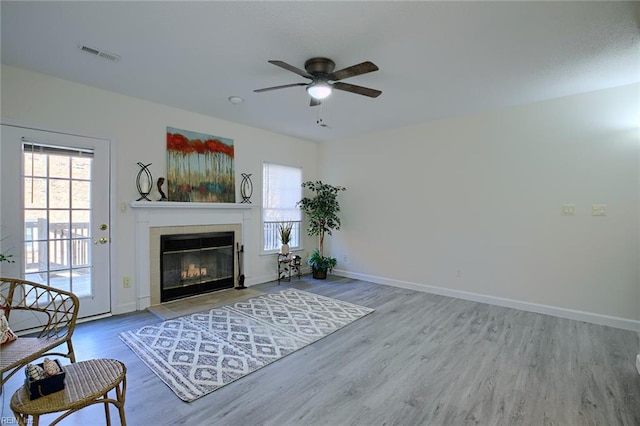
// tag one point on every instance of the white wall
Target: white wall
(468, 207)
(138, 129)
(472, 206)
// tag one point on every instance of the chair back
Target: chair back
(59, 308)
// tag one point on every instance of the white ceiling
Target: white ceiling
(436, 59)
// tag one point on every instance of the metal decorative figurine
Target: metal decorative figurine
(144, 181)
(163, 197)
(246, 188)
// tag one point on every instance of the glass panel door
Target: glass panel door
(56, 215)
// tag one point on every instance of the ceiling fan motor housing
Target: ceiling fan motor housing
(319, 67)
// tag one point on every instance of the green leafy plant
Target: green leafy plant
(284, 229)
(4, 257)
(321, 263)
(322, 211)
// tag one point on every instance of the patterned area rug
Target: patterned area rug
(199, 353)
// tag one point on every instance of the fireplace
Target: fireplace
(197, 263)
(157, 218)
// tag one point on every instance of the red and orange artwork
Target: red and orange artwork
(199, 167)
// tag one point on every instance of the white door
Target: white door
(55, 213)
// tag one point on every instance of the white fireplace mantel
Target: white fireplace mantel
(166, 205)
(154, 214)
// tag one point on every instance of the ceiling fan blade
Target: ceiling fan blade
(314, 102)
(266, 89)
(291, 68)
(353, 70)
(372, 93)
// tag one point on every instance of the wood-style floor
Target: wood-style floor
(420, 359)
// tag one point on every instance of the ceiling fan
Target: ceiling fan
(324, 79)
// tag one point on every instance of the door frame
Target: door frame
(14, 269)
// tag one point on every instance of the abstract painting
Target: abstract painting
(199, 167)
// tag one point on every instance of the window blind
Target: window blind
(281, 190)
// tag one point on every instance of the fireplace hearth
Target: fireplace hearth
(192, 264)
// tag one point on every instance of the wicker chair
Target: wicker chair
(58, 308)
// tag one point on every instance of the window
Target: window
(281, 190)
(57, 210)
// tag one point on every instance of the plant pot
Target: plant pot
(284, 249)
(319, 274)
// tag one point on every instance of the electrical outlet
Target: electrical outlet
(599, 210)
(568, 209)
(345, 259)
(126, 282)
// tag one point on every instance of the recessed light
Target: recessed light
(236, 100)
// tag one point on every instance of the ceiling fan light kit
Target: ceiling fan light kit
(324, 79)
(319, 90)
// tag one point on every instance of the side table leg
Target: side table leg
(23, 419)
(121, 391)
(279, 264)
(106, 408)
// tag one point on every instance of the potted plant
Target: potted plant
(284, 229)
(4, 257)
(322, 211)
(320, 265)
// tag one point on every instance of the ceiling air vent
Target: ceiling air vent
(99, 52)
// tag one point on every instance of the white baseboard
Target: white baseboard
(249, 281)
(124, 308)
(623, 323)
(95, 317)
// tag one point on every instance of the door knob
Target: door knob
(102, 240)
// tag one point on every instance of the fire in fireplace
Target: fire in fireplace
(193, 264)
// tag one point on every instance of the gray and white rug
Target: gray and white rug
(199, 353)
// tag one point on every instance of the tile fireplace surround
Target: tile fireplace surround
(154, 219)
